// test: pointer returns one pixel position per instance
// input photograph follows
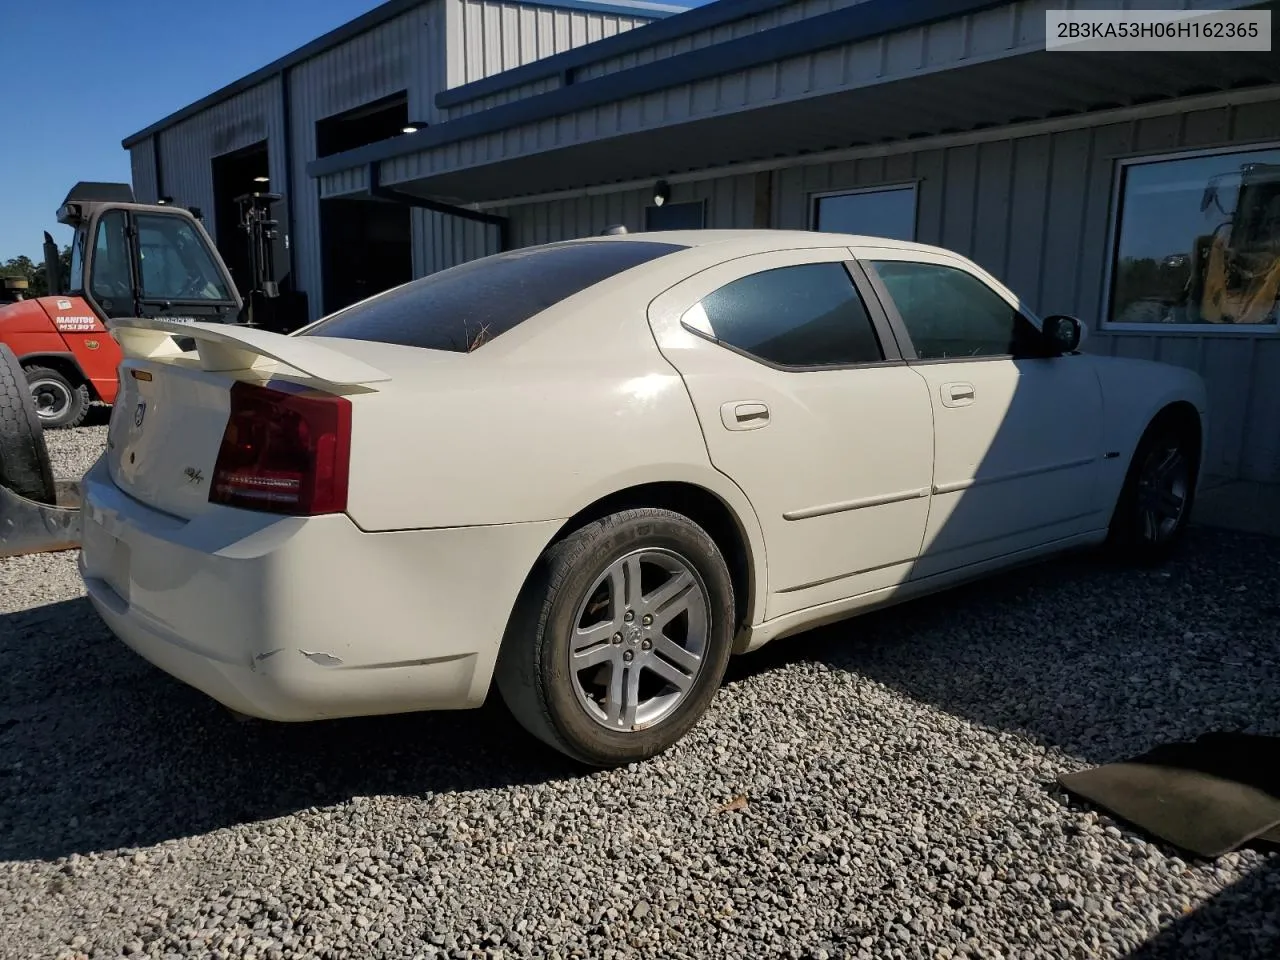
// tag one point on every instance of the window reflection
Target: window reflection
(887, 213)
(1199, 241)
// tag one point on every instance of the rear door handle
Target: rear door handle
(744, 415)
(958, 394)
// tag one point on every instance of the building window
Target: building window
(675, 216)
(888, 212)
(1197, 241)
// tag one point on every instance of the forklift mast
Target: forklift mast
(261, 232)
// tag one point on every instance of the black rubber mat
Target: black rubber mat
(1207, 797)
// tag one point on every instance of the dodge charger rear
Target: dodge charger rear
(588, 472)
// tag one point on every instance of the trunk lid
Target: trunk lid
(172, 408)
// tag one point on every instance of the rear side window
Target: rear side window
(809, 315)
(464, 307)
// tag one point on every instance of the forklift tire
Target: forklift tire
(59, 402)
(24, 459)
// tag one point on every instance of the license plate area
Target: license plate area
(116, 572)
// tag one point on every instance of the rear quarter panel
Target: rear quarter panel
(536, 425)
(1133, 393)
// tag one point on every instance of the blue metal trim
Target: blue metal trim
(848, 25)
(707, 17)
(362, 24)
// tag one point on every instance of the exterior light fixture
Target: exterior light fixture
(413, 126)
(261, 179)
(165, 201)
(661, 193)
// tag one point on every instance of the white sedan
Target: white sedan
(588, 472)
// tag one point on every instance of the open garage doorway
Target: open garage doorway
(366, 245)
(235, 174)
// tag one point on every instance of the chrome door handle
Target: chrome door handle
(958, 394)
(744, 415)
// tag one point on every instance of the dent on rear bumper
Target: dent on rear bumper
(302, 619)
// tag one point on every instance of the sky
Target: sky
(84, 74)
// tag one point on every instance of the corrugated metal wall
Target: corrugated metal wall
(1004, 32)
(730, 204)
(1035, 211)
(188, 148)
(407, 53)
(989, 34)
(142, 163)
(387, 59)
(488, 37)
(705, 38)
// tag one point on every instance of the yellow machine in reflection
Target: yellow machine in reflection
(1235, 271)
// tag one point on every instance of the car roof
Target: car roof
(733, 243)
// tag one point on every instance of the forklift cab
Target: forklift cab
(143, 260)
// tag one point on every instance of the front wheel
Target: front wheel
(1155, 504)
(59, 402)
(620, 639)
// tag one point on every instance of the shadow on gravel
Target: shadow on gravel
(1100, 661)
(100, 750)
(99, 415)
(1242, 921)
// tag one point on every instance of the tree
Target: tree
(25, 268)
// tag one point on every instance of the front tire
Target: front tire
(59, 402)
(1154, 508)
(620, 639)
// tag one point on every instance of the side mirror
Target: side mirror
(1062, 333)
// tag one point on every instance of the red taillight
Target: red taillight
(284, 452)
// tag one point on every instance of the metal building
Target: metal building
(1095, 184)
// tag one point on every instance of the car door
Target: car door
(805, 403)
(1017, 432)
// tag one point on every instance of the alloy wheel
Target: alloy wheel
(1163, 488)
(640, 638)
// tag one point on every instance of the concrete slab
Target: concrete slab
(1239, 505)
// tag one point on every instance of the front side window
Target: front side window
(110, 278)
(809, 315)
(1198, 241)
(174, 263)
(889, 213)
(464, 307)
(949, 313)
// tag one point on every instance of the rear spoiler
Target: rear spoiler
(224, 347)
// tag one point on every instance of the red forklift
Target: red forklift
(128, 259)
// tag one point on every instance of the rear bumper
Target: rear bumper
(305, 618)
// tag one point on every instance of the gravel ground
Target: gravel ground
(895, 775)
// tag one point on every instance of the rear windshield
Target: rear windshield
(466, 306)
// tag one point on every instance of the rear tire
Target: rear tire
(24, 459)
(1155, 504)
(59, 402)
(620, 638)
